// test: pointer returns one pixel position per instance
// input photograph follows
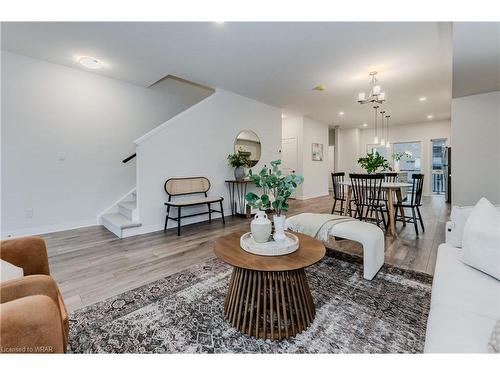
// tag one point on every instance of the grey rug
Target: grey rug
(183, 313)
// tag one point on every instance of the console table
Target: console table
(237, 192)
(269, 296)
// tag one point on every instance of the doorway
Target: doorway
(437, 167)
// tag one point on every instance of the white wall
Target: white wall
(316, 173)
(48, 109)
(347, 145)
(196, 143)
(475, 128)
(423, 133)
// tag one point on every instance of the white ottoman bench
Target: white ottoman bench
(322, 226)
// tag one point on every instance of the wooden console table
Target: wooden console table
(237, 192)
(269, 296)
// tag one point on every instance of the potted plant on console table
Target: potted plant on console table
(238, 161)
(277, 189)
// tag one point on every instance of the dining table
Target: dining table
(391, 189)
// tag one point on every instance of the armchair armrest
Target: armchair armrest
(31, 325)
(29, 253)
(29, 286)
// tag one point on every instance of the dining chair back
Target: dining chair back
(366, 189)
(414, 204)
(339, 193)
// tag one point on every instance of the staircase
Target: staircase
(122, 217)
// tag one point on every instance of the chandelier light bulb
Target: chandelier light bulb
(382, 142)
(381, 96)
(375, 140)
(361, 96)
(388, 145)
(376, 89)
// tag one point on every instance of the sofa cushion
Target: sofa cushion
(459, 286)
(481, 239)
(458, 217)
(9, 272)
(450, 330)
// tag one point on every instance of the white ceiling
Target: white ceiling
(276, 63)
(476, 58)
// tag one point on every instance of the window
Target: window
(411, 161)
(438, 147)
(382, 150)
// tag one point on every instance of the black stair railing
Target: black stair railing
(128, 158)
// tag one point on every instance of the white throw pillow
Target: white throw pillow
(8, 271)
(458, 217)
(481, 239)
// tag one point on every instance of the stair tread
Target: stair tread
(120, 221)
(129, 205)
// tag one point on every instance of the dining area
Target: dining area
(380, 198)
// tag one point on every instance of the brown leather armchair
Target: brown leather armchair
(33, 317)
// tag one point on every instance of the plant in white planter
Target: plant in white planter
(397, 158)
(277, 189)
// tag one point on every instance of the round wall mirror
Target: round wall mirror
(249, 143)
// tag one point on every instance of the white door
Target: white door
(289, 156)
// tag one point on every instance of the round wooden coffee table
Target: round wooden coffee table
(268, 296)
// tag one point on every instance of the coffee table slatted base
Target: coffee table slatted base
(269, 305)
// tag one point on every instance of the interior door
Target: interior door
(289, 156)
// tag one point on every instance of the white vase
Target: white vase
(261, 227)
(279, 228)
(396, 165)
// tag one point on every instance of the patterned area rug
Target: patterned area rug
(183, 313)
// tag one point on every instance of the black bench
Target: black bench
(175, 187)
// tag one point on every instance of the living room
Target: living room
(250, 187)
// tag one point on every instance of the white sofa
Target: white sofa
(465, 303)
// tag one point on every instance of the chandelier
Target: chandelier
(375, 95)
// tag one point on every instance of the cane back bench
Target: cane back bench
(175, 187)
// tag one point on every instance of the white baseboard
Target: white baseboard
(43, 229)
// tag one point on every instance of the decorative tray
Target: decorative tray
(269, 248)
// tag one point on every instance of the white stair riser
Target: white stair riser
(126, 212)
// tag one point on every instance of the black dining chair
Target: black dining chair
(415, 203)
(388, 177)
(366, 189)
(339, 193)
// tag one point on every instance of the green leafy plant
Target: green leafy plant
(276, 188)
(239, 159)
(399, 155)
(373, 161)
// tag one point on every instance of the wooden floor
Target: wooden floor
(92, 264)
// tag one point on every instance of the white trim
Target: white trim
(159, 128)
(43, 229)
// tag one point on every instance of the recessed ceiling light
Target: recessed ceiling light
(341, 113)
(422, 99)
(365, 125)
(219, 22)
(319, 88)
(90, 62)
(430, 116)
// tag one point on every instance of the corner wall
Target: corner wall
(196, 143)
(316, 173)
(51, 112)
(475, 128)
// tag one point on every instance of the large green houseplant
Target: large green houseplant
(373, 162)
(276, 190)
